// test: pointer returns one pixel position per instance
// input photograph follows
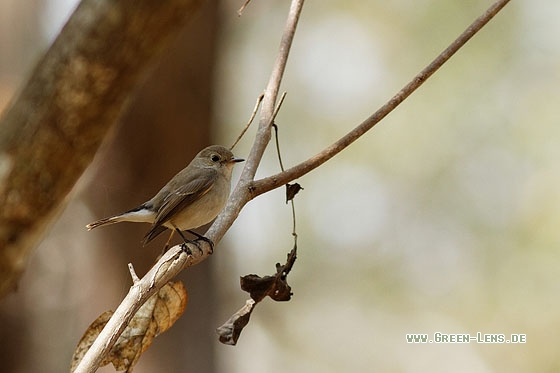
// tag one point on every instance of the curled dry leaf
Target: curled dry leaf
(258, 287)
(230, 331)
(157, 315)
(275, 286)
(292, 190)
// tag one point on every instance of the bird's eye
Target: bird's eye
(215, 158)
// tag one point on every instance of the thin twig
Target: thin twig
(277, 109)
(294, 232)
(133, 274)
(276, 130)
(253, 114)
(240, 11)
(268, 183)
(277, 140)
(240, 196)
(278, 146)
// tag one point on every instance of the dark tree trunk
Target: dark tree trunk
(167, 122)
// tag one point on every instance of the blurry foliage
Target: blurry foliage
(443, 218)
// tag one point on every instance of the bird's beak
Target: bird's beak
(236, 160)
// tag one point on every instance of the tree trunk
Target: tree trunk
(76, 275)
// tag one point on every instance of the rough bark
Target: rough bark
(52, 129)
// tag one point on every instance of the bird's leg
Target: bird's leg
(166, 247)
(201, 237)
(185, 246)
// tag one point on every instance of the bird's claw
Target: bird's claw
(209, 242)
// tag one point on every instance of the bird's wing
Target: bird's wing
(179, 197)
(182, 196)
(153, 233)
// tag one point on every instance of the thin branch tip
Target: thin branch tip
(251, 118)
(274, 181)
(133, 274)
(240, 10)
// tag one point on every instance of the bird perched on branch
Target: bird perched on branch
(192, 198)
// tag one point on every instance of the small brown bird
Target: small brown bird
(192, 198)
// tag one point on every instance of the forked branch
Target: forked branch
(247, 188)
(264, 185)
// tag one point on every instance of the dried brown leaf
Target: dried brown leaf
(258, 287)
(155, 316)
(172, 300)
(89, 337)
(230, 331)
(292, 190)
(276, 287)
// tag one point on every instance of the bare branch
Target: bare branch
(266, 184)
(240, 11)
(175, 259)
(253, 114)
(240, 196)
(133, 274)
(167, 267)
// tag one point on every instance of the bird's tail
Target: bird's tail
(105, 221)
(138, 214)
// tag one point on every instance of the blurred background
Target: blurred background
(443, 218)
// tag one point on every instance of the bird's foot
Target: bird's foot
(201, 237)
(186, 248)
(185, 242)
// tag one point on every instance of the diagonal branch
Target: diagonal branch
(176, 260)
(240, 196)
(167, 267)
(272, 182)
